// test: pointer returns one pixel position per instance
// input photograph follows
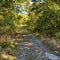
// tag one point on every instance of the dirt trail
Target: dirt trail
(31, 48)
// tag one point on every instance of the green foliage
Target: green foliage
(58, 35)
(44, 17)
(5, 44)
(8, 22)
(9, 16)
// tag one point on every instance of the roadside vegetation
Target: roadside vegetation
(41, 18)
(45, 21)
(8, 28)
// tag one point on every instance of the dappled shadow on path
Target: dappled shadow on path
(30, 46)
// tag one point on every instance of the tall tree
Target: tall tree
(8, 15)
(45, 17)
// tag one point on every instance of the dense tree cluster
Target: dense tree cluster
(44, 18)
(8, 15)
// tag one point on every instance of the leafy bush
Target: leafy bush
(58, 35)
(5, 44)
(46, 19)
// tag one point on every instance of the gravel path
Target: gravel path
(31, 48)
